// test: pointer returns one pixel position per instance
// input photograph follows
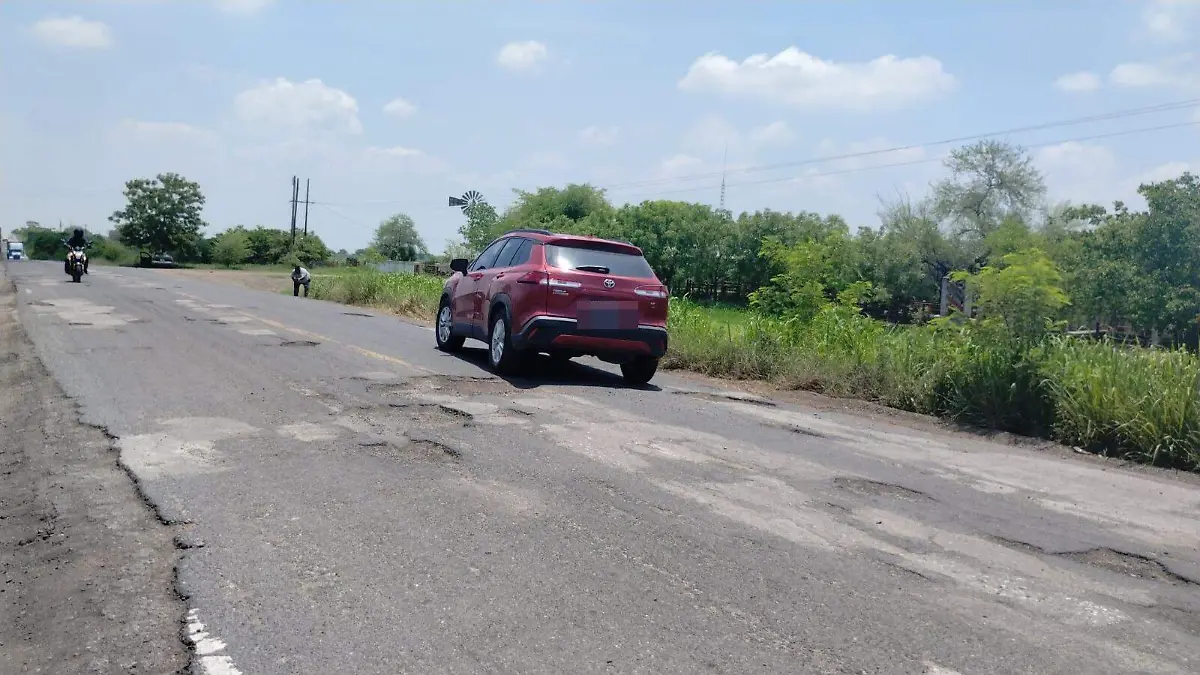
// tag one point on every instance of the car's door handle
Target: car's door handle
(500, 275)
(477, 275)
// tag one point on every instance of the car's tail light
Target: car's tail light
(542, 278)
(651, 291)
(536, 277)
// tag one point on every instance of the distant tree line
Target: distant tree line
(1113, 266)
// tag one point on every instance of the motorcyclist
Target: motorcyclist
(77, 239)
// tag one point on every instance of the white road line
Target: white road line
(207, 648)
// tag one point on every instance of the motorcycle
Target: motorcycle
(76, 260)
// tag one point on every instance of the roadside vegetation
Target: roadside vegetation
(1076, 323)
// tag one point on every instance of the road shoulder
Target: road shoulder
(88, 571)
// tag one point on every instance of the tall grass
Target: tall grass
(408, 294)
(1134, 403)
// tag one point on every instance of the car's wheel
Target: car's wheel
(640, 370)
(446, 340)
(502, 356)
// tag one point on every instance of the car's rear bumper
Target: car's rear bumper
(549, 333)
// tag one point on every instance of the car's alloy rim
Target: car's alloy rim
(497, 342)
(444, 324)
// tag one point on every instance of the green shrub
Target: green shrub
(1134, 403)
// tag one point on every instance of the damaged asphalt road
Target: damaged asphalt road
(340, 497)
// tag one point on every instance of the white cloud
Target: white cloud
(73, 31)
(160, 132)
(805, 81)
(1168, 171)
(306, 106)
(522, 55)
(1171, 19)
(399, 107)
(396, 151)
(1178, 73)
(599, 136)
(242, 6)
(680, 163)
(1081, 81)
(710, 135)
(1082, 173)
(775, 133)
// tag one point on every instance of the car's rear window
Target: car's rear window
(598, 258)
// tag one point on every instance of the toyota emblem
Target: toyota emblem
(609, 283)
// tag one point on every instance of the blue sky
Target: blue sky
(393, 106)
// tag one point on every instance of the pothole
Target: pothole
(1119, 562)
(431, 414)
(1129, 564)
(796, 429)
(732, 396)
(362, 314)
(400, 447)
(447, 385)
(873, 488)
(299, 343)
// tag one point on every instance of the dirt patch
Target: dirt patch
(874, 488)
(271, 282)
(88, 571)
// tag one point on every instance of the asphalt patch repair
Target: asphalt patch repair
(88, 571)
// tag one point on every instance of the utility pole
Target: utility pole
(307, 182)
(295, 198)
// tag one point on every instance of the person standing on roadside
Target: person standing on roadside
(300, 277)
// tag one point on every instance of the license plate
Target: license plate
(607, 315)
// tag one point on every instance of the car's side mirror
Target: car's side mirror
(459, 265)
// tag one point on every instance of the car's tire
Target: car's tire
(640, 370)
(503, 357)
(446, 340)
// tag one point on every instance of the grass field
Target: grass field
(1133, 403)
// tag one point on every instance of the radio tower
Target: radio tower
(723, 161)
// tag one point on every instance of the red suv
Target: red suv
(533, 291)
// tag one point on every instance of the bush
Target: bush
(1133, 403)
(407, 294)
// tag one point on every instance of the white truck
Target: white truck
(14, 250)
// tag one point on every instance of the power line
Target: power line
(1078, 139)
(1120, 114)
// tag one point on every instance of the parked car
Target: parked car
(533, 291)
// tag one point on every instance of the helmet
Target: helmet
(79, 232)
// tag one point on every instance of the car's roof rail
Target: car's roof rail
(530, 230)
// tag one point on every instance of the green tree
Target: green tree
(310, 250)
(456, 249)
(989, 181)
(231, 248)
(397, 239)
(160, 214)
(482, 226)
(1141, 267)
(1023, 289)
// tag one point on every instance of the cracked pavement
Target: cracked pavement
(344, 498)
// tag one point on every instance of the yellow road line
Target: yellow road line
(317, 336)
(323, 338)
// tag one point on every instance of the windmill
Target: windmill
(469, 200)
